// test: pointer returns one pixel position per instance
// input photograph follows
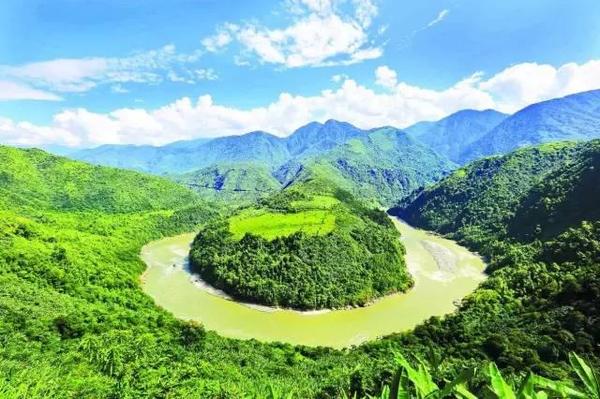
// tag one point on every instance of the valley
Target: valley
(245, 277)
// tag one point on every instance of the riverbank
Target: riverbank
(443, 271)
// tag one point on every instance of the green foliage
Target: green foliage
(228, 183)
(540, 301)
(381, 167)
(75, 323)
(303, 250)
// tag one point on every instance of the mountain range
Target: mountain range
(451, 135)
(575, 117)
(258, 146)
(384, 163)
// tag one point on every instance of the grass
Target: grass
(270, 225)
(322, 202)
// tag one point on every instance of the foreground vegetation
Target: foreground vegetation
(306, 248)
(74, 322)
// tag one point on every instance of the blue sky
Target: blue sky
(83, 73)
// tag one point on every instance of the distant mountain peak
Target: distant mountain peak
(450, 135)
(573, 117)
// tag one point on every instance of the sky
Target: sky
(81, 73)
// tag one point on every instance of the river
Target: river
(444, 273)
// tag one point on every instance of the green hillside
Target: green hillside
(74, 322)
(231, 182)
(35, 179)
(534, 214)
(310, 246)
(383, 167)
(486, 194)
(531, 194)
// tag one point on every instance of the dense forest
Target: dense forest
(534, 215)
(75, 323)
(301, 250)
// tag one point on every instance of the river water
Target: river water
(444, 273)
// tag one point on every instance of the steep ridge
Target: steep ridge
(382, 166)
(486, 194)
(534, 215)
(574, 117)
(258, 147)
(451, 135)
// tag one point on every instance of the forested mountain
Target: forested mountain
(226, 182)
(309, 246)
(316, 138)
(383, 166)
(487, 193)
(451, 135)
(534, 215)
(258, 147)
(33, 178)
(574, 117)
(533, 193)
(75, 323)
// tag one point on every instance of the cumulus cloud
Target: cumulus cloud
(73, 75)
(386, 77)
(401, 104)
(322, 33)
(523, 84)
(218, 41)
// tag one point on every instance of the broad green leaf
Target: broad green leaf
(464, 377)
(586, 375)
(420, 377)
(499, 385)
(462, 392)
(558, 387)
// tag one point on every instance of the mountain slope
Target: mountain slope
(316, 138)
(530, 194)
(382, 166)
(534, 215)
(258, 147)
(379, 165)
(451, 135)
(37, 179)
(574, 117)
(231, 182)
(310, 246)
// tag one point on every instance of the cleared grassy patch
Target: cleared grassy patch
(317, 202)
(270, 225)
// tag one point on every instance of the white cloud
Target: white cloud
(523, 84)
(206, 74)
(10, 91)
(440, 17)
(386, 77)
(118, 88)
(218, 41)
(82, 74)
(400, 105)
(340, 77)
(322, 33)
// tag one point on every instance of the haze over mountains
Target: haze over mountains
(258, 146)
(459, 136)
